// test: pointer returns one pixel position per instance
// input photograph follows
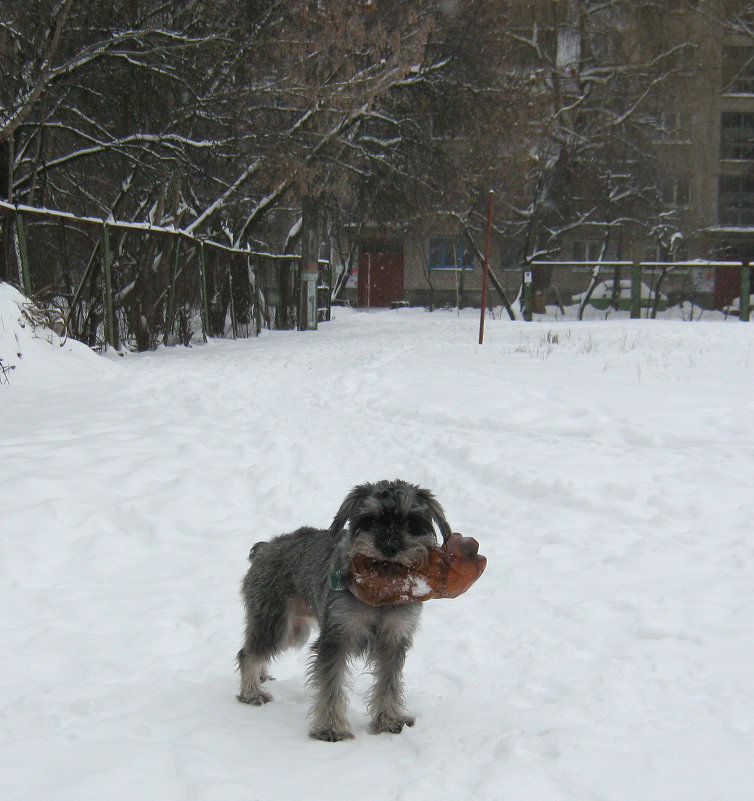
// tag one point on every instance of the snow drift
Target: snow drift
(31, 350)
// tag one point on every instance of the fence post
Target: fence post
(233, 324)
(170, 311)
(257, 297)
(745, 290)
(329, 288)
(203, 289)
(22, 254)
(250, 290)
(635, 290)
(527, 295)
(111, 336)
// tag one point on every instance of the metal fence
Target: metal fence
(634, 294)
(115, 280)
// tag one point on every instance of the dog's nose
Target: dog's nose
(390, 543)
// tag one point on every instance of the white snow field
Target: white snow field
(606, 468)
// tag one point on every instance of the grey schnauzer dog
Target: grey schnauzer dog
(288, 588)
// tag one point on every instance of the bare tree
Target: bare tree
(604, 67)
(219, 118)
(208, 115)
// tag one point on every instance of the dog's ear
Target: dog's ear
(436, 512)
(349, 506)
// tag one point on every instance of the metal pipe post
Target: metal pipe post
(170, 310)
(111, 331)
(635, 291)
(203, 289)
(486, 269)
(745, 291)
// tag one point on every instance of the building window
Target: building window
(450, 253)
(738, 70)
(737, 136)
(673, 127)
(675, 191)
(586, 249)
(735, 200)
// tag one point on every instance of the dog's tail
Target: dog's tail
(257, 549)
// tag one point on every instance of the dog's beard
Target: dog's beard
(414, 552)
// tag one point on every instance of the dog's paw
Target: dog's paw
(391, 725)
(330, 735)
(255, 699)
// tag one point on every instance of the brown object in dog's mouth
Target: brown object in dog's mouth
(448, 573)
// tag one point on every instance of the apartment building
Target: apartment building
(676, 172)
(726, 175)
(702, 146)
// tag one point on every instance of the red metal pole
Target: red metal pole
(486, 268)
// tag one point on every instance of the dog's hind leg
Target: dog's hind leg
(253, 670)
(265, 638)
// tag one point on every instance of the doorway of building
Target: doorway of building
(727, 286)
(380, 272)
(728, 279)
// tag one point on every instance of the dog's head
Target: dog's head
(392, 521)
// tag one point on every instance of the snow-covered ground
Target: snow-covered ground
(606, 468)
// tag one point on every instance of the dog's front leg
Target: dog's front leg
(327, 678)
(386, 702)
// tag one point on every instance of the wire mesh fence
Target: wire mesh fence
(116, 281)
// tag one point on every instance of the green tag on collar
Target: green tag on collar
(336, 581)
